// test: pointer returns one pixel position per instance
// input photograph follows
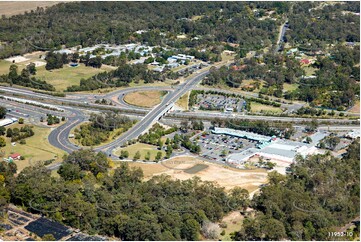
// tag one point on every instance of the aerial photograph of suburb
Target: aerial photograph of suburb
(179, 120)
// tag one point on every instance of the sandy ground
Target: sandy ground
(39, 63)
(9, 8)
(17, 59)
(225, 176)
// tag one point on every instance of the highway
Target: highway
(59, 137)
(280, 36)
(154, 114)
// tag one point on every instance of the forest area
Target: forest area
(319, 195)
(89, 23)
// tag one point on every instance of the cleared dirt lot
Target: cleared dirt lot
(12, 8)
(224, 176)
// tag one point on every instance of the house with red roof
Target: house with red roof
(305, 62)
(15, 156)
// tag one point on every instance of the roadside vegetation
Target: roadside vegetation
(102, 129)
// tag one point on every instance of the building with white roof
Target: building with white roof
(242, 134)
(7, 121)
(353, 134)
(268, 147)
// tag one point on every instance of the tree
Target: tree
(211, 230)
(308, 140)
(312, 126)
(48, 237)
(21, 121)
(184, 125)
(273, 229)
(147, 156)
(2, 112)
(69, 171)
(2, 130)
(124, 154)
(95, 62)
(224, 152)
(169, 151)
(158, 156)
(160, 143)
(332, 141)
(136, 156)
(2, 142)
(31, 68)
(9, 132)
(270, 165)
(190, 230)
(13, 72)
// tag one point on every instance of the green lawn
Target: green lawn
(37, 148)
(143, 149)
(67, 76)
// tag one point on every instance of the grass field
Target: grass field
(309, 70)
(67, 76)
(183, 101)
(143, 149)
(4, 67)
(37, 148)
(289, 87)
(59, 78)
(195, 169)
(145, 99)
(261, 108)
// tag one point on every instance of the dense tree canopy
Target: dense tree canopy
(321, 194)
(88, 23)
(120, 204)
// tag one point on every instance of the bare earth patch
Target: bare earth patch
(355, 108)
(224, 176)
(144, 98)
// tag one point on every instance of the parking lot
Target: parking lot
(218, 102)
(217, 147)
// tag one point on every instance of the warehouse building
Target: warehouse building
(268, 147)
